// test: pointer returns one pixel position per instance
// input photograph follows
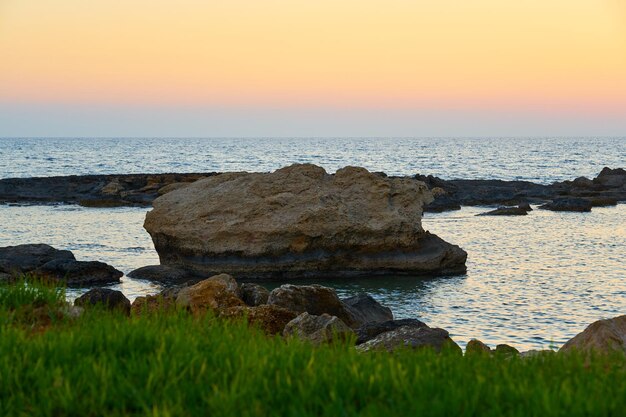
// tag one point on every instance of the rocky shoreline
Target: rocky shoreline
(608, 188)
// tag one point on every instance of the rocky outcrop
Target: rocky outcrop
(93, 190)
(78, 273)
(602, 336)
(163, 273)
(26, 258)
(318, 329)
(312, 299)
(608, 188)
(216, 293)
(269, 318)
(367, 310)
(300, 221)
(254, 294)
(107, 298)
(411, 337)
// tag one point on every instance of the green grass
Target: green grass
(174, 364)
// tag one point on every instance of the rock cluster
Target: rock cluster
(300, 221)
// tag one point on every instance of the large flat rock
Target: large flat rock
(300, 221)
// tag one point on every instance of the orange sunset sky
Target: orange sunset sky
(306, 68)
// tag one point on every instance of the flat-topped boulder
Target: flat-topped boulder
(300, 221)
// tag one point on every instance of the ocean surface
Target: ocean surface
(533, 281)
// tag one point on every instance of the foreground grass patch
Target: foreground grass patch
(174, 364)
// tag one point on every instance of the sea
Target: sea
(533, 282)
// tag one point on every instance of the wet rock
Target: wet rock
(442, 203)
(475, 347)
(318, 329)
(411, 337)
(602, 336)
(79, 273)
(313, 299)
(506, 211)
(367, 310)
(299, 222)
(162, 273)
(104, 203)
(110, 299)
(369, 331)
(271, 319)
(568, 204)
(254, 294)
(172, 187)
(506, 351)
(25, 258)
(216, 293)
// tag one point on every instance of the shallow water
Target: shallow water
(532, 281)
(543, 160)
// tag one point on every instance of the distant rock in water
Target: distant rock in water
(300, 221)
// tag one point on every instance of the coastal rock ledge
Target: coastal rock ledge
(299, 222)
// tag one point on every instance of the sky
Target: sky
(312, 68)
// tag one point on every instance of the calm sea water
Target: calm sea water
(542, 160)
(532, 281)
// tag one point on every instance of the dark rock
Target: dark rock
(369, 331)
(611, 178)
(442, 203)
(254, 294)
(568, 204)
(476, 347)
(91, 190)
(163, 273)
(313, 299)
(79, 273)
(368, 310)
(411, 337)
(583, 182)
(602, 201)
(110, 299)
(506, 211)
(318, 329)
(25, 258)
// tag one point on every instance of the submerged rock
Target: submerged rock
(25, 258)
(521, 210)
(300, 221)
(568, 204)
(110, 299)
(411, 337)
(318, 329)
(312, 299)
(602, 336)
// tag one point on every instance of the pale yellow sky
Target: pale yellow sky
(552, 55)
